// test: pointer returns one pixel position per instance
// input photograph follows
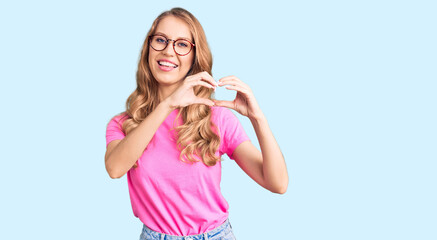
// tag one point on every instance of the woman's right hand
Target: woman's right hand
(184, 95)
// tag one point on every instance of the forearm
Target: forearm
(274, 167)
(130, 148)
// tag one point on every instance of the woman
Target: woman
(172, 135)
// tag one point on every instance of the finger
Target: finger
(222, 103)
(235, 84)
(202, 76)
(204, 101)
(202, 83)
(231, 79)
(208, 78)
(237, 88)
(234, 81)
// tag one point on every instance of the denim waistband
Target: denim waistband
(203, 236)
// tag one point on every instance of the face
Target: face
(167, 67)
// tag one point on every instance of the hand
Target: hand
(184, 95)
(244, 102)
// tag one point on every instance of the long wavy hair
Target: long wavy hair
(197, 136)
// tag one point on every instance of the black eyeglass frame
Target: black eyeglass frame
(174, 44)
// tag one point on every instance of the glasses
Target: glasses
(181, 46)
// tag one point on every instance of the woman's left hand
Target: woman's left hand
(244, 102)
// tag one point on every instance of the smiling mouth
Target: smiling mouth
(167, 64)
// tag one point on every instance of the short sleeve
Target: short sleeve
(232, 132)
(114, 129)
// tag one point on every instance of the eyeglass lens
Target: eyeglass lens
(181, 46)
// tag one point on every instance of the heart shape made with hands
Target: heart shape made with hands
(221, 93)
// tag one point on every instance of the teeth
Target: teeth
(167, 64)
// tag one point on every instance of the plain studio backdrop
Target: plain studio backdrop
(348, 88)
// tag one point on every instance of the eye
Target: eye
(159, 39)
(182, 44)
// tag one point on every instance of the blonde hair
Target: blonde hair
(197, 135)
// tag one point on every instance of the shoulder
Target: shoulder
(119, 118)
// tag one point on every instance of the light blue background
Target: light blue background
(348, 87)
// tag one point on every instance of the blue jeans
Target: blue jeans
(222, 232)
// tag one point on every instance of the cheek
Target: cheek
(188, 62)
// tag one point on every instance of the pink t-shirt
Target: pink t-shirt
(174, 197)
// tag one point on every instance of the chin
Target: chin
(168, 79)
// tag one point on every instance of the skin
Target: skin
(173, 28)
(266, 167)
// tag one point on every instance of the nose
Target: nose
(168, 50)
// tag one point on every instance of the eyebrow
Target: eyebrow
(165, 35)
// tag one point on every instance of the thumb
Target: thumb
(204, 101)
(222, 103)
